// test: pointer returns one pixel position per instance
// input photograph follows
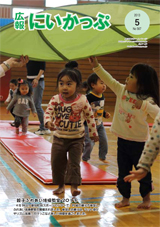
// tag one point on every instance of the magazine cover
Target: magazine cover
(80, 113)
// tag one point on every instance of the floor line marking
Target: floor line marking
(24, 186)
(14, 175)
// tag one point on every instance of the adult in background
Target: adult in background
(35, 76)
(12, 63)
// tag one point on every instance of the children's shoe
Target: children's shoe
(103, 160)
(47, 131)
(13, 124)
(43, 132)
(17, 131)
(39, 132)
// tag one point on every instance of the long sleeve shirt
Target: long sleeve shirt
(69, 117)
(2, 72)
(22, 105)
(11, 94)
(152, 146)
(128, 122)
(97, 104)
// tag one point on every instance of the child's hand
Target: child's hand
(6, 102)
(137, 174)
(35, 114)
(93, 61)
(138, 104)
(50, 125)
(95, 138)
(107, 115)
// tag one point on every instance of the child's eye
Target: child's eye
(69, 84)
(61, 83)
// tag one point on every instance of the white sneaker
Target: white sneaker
(39, 132)
(46, 131)
(43, 132)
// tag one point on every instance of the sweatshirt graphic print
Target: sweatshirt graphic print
(69, 117)
(22, 105)
(97, 104)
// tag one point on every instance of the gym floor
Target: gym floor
(97, 202)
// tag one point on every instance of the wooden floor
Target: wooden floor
(95, 204)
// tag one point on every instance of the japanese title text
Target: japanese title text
(44, 21)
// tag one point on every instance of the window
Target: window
(26, 11)
(51, 3)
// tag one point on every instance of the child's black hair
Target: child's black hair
(14, 81)
(86, 86)
(71, 70)
(147, 82)
(92, 79)
(20, 82)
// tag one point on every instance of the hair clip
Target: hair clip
(20, 81)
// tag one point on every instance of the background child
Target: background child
(85, 87)
(69, 110)
(13, 84)
(22, 103)
(150, 152)
(96, 99)
(135, 100)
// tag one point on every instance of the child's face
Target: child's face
(24, 89)
(131, 83)
(99, 87)
(67, 88)
(84, 89)
(12, 86)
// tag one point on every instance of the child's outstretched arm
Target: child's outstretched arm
(113, 84)
(93, 61)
